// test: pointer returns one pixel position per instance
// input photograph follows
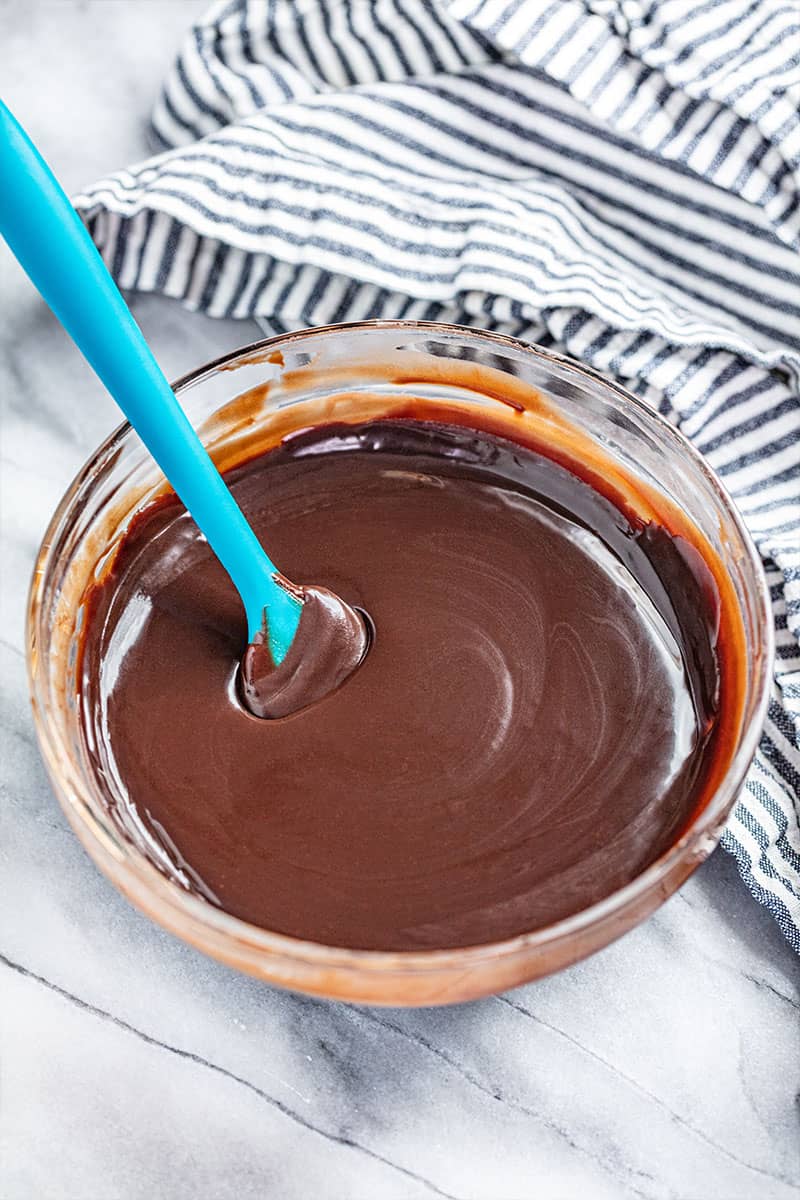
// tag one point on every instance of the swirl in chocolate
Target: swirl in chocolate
(330, 642)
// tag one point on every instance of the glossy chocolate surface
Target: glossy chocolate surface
(535, 722)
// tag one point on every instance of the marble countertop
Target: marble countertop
(667, 1066)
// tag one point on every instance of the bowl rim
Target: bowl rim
(692, 847)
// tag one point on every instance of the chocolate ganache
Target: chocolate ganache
(539, 714)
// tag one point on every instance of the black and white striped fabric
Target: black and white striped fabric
(619, 179)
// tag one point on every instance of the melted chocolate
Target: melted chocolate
(330, 642)
(533, 725)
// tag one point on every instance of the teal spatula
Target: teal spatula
(47, 237)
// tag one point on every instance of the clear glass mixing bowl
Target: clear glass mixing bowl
(276, 382)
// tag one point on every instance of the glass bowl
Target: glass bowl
(250, 398)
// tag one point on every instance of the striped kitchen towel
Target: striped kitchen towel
(619, 179)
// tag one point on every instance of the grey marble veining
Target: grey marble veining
(667, 1066)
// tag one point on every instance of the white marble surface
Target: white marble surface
(132, 1067)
